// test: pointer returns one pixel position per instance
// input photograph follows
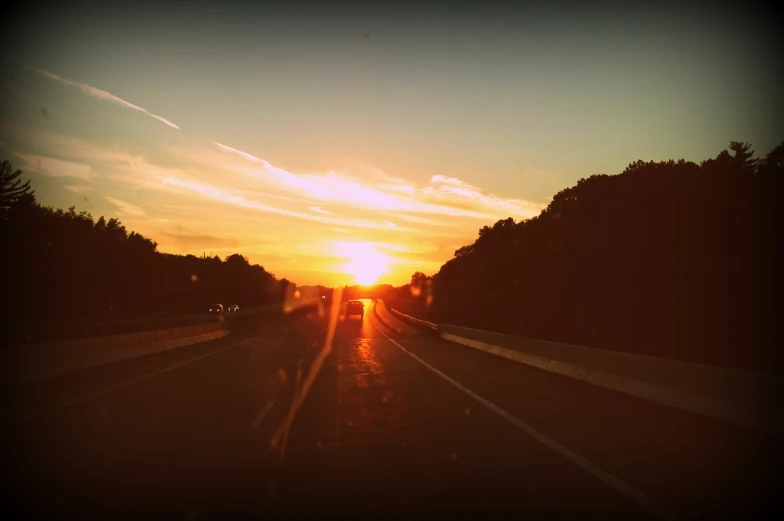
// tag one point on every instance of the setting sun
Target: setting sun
(365, 264)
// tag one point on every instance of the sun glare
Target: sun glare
(365, 264)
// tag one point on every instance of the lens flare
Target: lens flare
(365, 264)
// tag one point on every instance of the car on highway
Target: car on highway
(232, 308)
(355, 307)
(216, 308)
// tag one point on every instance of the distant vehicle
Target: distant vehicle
(233, 308)
(216, 308)
(355, 307)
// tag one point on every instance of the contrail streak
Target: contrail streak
(102, 94)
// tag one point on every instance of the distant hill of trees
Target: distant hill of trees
(671, 259)
(60, 264)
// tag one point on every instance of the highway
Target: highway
(373, 418)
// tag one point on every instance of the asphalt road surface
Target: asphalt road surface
(369, 419)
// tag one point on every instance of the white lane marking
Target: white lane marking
(193, 514)
(615, 483)
(133, 381)
(301, 360)
(263, 414)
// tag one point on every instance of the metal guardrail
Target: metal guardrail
(418, 321)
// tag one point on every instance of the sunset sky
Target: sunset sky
(316, 138)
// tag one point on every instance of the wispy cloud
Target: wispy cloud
(102, 94)
(127, 208)
(202, 241)
(217, 194)
(268, 173)
(79, 189)
(453, 190)
(227, 148)
(245, 182)
(427, 221)
(216, 189)
(56, 167)
(447, 196)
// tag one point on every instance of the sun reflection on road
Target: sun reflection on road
(364, 358)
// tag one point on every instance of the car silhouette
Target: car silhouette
(233, 308)
(355, 307)
(216, 308)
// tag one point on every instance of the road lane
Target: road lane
(381, 435)
(693, 465)
(378, 434)
(165, 444)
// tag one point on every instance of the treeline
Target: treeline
(60, 264)
(414, 298)
(671, 259)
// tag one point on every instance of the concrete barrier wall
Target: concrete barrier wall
(58, 331)
(40, 360)
(28, 363)
(739, 397)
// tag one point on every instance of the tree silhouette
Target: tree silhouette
(65, 265)
(418, 279)
(773, 163)
(12, 189)
(743, 157)
(669, 259)
(237, 260)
